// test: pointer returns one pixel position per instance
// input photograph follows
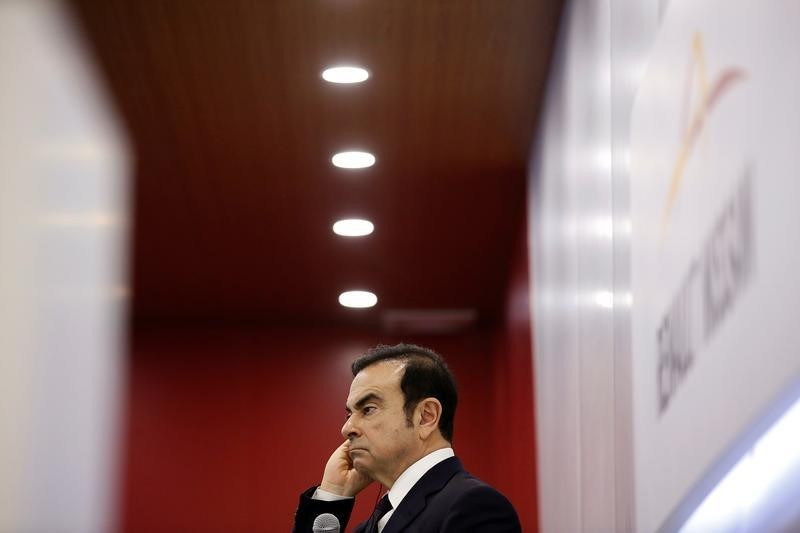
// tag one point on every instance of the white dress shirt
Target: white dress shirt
(402, 486)
(409, 478)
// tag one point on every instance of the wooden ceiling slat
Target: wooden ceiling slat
(233, 129)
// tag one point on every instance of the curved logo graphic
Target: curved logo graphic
(705, 97)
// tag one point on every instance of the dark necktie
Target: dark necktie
(383, 507)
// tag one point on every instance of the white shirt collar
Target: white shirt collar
(409, 478)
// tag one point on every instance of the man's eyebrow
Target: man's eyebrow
(364, 400)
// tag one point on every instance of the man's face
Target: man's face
(382, 444)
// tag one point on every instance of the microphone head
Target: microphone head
(325, 523)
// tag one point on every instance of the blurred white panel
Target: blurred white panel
(599, 209)
(63, 225)
(572, 268)
(580, 254)
(714, 261)
(761, 491)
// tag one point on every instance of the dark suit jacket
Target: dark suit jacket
(446, 499)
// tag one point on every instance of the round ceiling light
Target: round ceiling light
(358, 299)
(345, 74)
(353, 227)
(353, 159)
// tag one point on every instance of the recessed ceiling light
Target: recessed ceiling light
(358, 299)
(353, 227)
(353, 159)
(345, 74)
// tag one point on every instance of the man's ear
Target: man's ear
(429, 411)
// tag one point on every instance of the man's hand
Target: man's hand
(340, 477)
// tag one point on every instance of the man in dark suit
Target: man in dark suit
(398, 432)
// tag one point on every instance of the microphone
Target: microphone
(325, 523)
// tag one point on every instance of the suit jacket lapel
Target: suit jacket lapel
(415, 501)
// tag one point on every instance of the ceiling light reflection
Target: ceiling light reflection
(358, 299)
(345, 74)
(353, 159)
(603, 227)
(604, 299)
(353, 227)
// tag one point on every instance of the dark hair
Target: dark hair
(426, 375)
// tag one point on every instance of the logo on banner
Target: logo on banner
(700, 98)
(720, 270)
(717, 275)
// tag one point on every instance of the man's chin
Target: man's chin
(361, 465)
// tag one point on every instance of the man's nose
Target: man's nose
(349, 429)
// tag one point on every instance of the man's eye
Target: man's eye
(347, 415)
(369, 409)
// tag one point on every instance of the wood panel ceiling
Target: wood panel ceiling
(232, 130)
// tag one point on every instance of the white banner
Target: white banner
(715, 192)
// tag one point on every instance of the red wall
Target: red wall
(513, 469)
(226, 427)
